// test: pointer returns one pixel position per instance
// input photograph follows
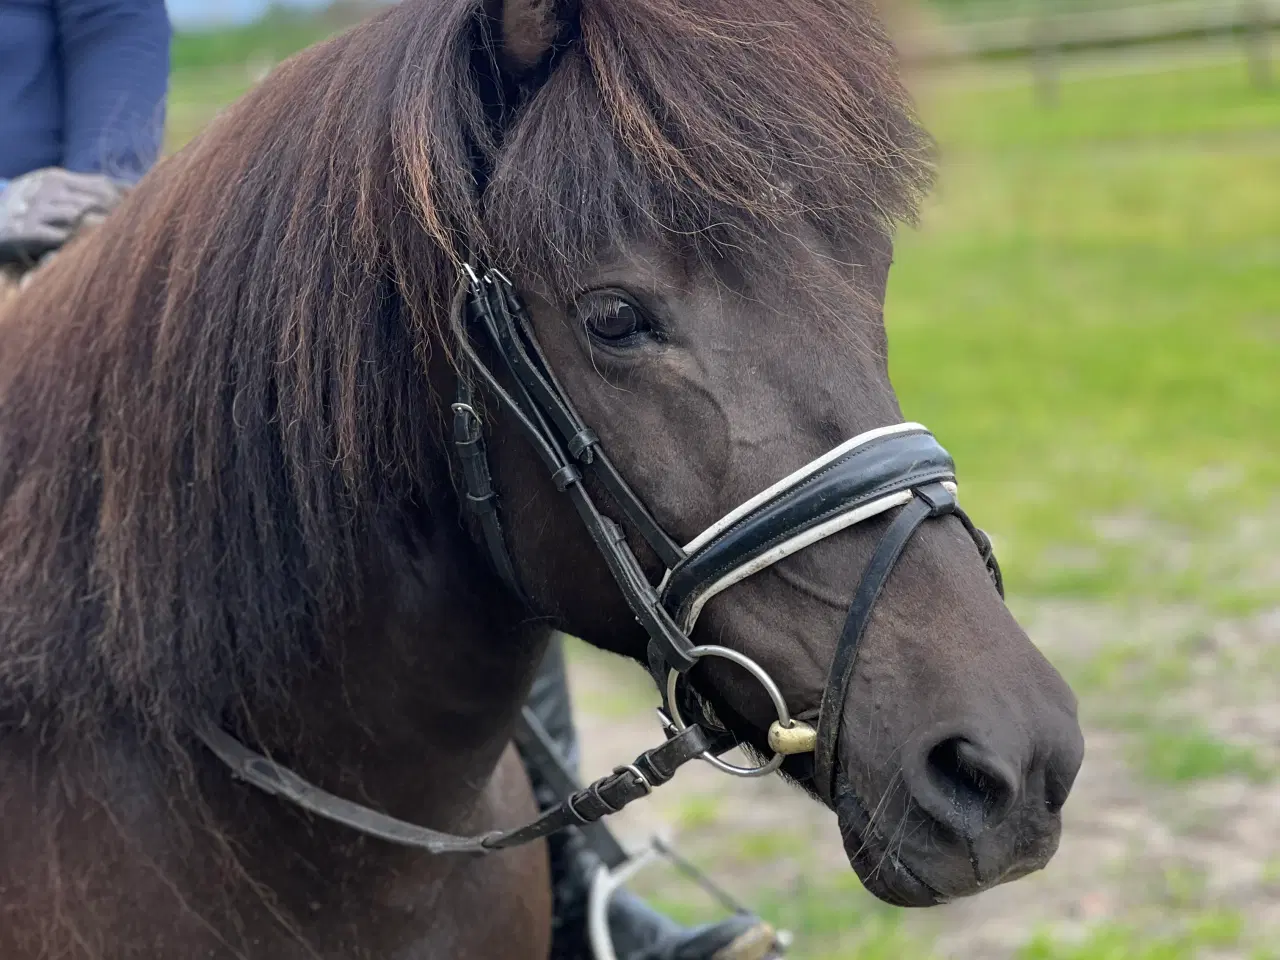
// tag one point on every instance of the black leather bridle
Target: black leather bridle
(900, 467)
(896, 466)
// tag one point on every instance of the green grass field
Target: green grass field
(1089, 318)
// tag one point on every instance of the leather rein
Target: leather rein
(898, 467)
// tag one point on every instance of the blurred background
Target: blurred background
(1089, 318)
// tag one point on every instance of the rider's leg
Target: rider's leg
(639, 932)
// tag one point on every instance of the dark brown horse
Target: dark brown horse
(226, 491)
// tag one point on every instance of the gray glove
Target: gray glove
(41, 210)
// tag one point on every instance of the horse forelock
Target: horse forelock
(211, 408)
(711, 125)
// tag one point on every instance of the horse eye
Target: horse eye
(613, 319)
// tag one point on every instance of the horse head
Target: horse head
(697, 214)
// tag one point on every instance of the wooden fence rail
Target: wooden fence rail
(1042, 36)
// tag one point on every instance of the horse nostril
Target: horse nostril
(967, 787)
(1060, 775)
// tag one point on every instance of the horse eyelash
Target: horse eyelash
(592, 307)
(603, 304)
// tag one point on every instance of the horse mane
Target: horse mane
(211, 407)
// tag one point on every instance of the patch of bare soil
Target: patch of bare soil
(1133, 852)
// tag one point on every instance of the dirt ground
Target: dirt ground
(1136, 851)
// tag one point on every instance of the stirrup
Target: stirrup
(766, 942)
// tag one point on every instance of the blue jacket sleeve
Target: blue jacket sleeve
(115, 69)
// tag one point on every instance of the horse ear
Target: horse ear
(531, 30)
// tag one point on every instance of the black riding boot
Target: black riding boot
(638, 931)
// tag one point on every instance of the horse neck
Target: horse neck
(420, 694)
